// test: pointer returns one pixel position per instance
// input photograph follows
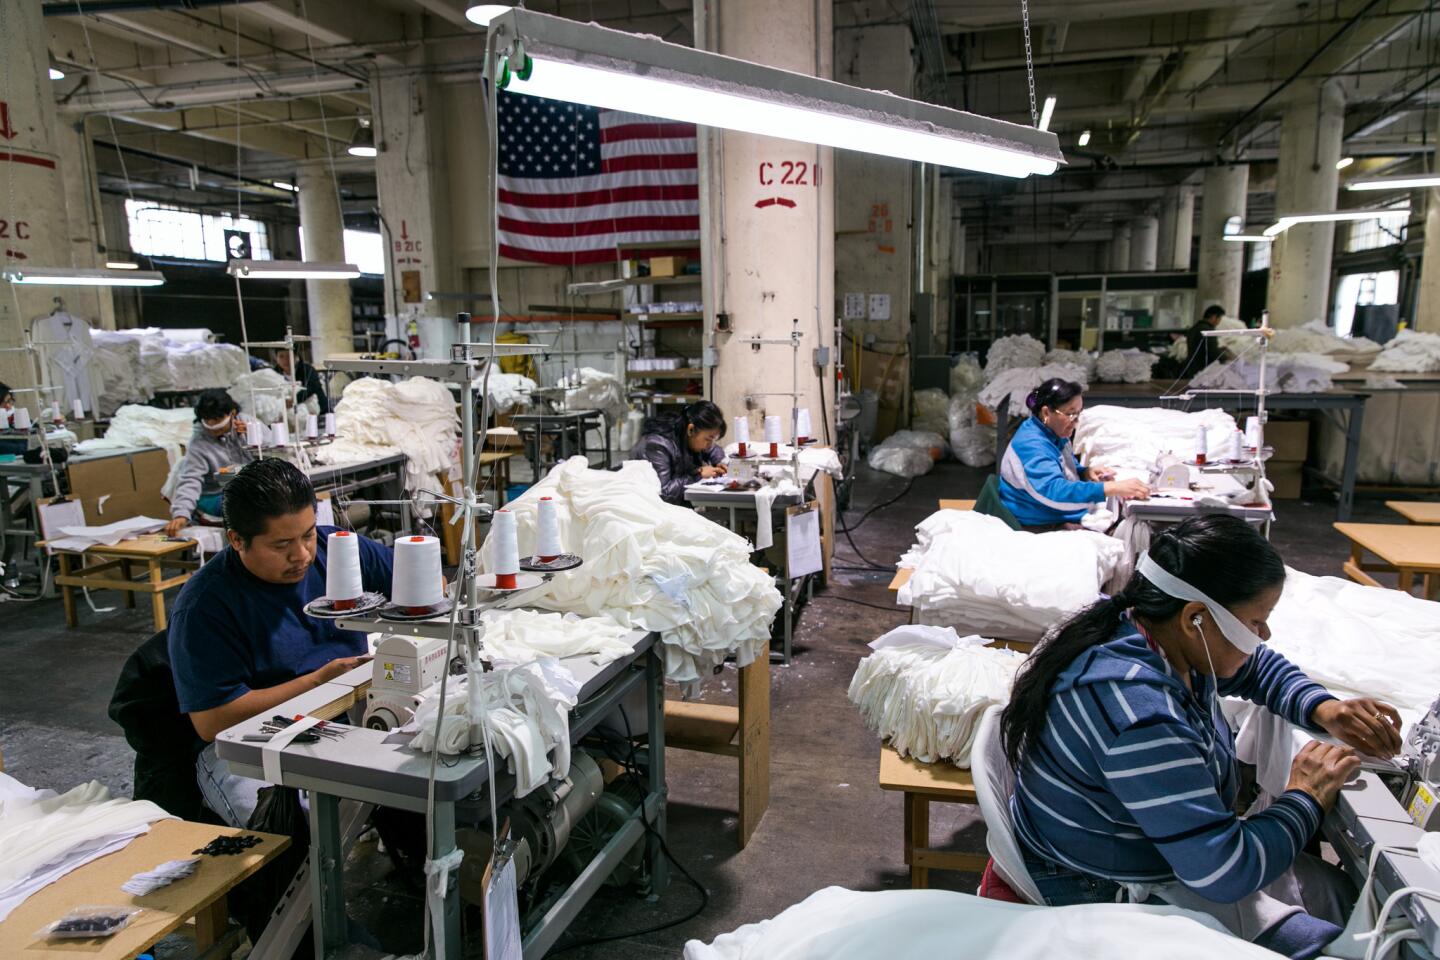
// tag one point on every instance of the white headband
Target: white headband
(1241, 637)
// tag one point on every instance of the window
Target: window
(1363, 289)
(366, 250)
(1259, 256)
(157, 230)
(1372, 234)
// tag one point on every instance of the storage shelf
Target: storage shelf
(684, 373)
(662, 320)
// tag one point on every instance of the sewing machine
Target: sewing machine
(403, 666)
(1392, 805)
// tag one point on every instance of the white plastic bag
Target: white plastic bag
(900, 460)
(931, 411)
(973, 446)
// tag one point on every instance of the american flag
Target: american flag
(578, 182)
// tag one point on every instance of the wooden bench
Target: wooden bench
(152, 552)
(923, 784)
(1406, 550)
(1416, 511)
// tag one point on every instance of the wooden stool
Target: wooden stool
(1416, 511)
(923, 783)
(154, 551)
(957, 504)
(1406, 550)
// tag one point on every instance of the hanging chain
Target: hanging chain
(1029, 63)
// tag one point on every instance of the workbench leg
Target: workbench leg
(157, 599)
(444, 844)
(327, 880)
(1406, 578)
(210, 924)
(125, 574)
(917, 838)
(1352, 460)
(754, 744)
(655, 708)
(67, 593)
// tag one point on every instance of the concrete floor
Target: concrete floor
(828, 822)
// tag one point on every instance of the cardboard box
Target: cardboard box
(120, 487)
(1286, 475)
(667, 266)
(1290, 439)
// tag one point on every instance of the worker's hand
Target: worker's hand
(707, 473)
(1321, 769)
(1369, 725)
(241, 426)
(173, 528)
(1100, 473)
(1127, 489)
(337, 668)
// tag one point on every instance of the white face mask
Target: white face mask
(220, 427)
(1241, 637)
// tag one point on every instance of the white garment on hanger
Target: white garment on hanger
(70, 366)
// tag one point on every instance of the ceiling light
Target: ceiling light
(1249, 238)
(481, 14)
(121, 265)
(282, 185)
(1234, 226)
(362, 144)
(291, 270)
(57, 72)
(1334, 216)
(1046, 112)
(88, 277)
(1084, 140)
(1399, 182)
(546, 56)
(1344, 162)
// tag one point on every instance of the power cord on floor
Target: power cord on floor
(862, 603)
(633, 770)
(866, 515)
(864, 559)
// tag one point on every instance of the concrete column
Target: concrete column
(1144, 237)
(322, 231)
(1222, 263)
(1184, 231)
(84, 220)
(1165, 245)
(772, 265)
(1120, 249)
(1301, 259)
(1427, 305)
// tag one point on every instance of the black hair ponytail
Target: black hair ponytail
(1222, 556)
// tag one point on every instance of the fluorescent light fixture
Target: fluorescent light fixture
(585, 63)
(1399, 182)
(1084, 140)
(87, 277)
(1344, 162)
(481, 14)
(55, 72)
(1046, 112)
(282, 185)
(121, 265)
(1249, 238)
(1333, 216)
(362, 144)
(291, 270)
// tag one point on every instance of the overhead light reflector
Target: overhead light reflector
(121, 265)
(1084, 140)
(583, 63)
(1334, 216)
(481, 14)
(1046, 112)
(1249, 238)
(1344, 162)
(1416, 182)
(282, 185)
(291, 270)
(362, 144)
(87, 277)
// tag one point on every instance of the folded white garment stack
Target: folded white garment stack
(925, 688)
(416, 417)
(972, 571)
(520, 636)
(652, 565)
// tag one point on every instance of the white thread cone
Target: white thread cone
(507, 549)
(742, 429)
(57, 413)
(1200, 445)
(772, 430)
(547, 535)
(416, 578)
(342, 566)
(802, 421)
(79, 409)
(280, 434)
(255, 433)
(1237, 446)
(22, 418)
(329, 424)
(1252, 432)
(312, 426)
(4, 419)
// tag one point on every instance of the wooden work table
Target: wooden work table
(152, 552)
(1406, 550)
(1416, 511)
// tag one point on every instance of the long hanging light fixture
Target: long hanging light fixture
(82, 277)
(1333, 216)
(291, 270)
(546, 56)
(1412, 181)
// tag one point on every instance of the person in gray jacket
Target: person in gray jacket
(683, 448)
(217, 443)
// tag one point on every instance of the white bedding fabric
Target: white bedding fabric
(974, 572)
(591, 389)
(1125, 366)
(1007, 353)
(507, 390)
(1284, 373)
(520, 636)
(925, 688)
(1076, 358)
(1316, 337)
(652, 565)
(1132, 441)
(137, 425)
(839, 924)
(136, 363)
(416, 417)
(1409, 352)
(44, 836)
(1013, 385)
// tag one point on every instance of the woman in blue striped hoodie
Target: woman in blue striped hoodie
(1126, 772)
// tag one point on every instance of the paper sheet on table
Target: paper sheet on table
(56, 516)
(81, 538)
(802, 540)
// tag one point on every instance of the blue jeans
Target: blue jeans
(1063, 887)
(231, 796)
(211, 504)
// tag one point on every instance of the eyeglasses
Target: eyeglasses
(1072, 417)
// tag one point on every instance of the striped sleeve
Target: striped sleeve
(1275, 683)
(1163, 776)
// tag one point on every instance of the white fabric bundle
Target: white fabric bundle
(973, 446)
(44, 836)
(137, 425)
(1007, 353)
(974, 571)
(416, 417)
(1409, 352)
(652, 565)
(1316, 337)
(117, 358)
(261, 394)
(907, 453)
(1014, 385)
(931, 411)
(1125, 366)
(924, 689)
(966, 377)
(1284, 373)
(839, 924)
(520, 636)
(1132, 441)
(1075, 358)
(591, 389)
(507, 390)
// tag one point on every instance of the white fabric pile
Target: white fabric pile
(1237, 344)
(931, 411)
(507, 390)
(591, 389)
(1075, 358)
(117, 359)
(1133, 441)
(136, 425)
(966, 377)
(43, 836)
(520, 636)
(1007, 353)
(907, 453)
(160, 359)
(839, 924)
(1316, 337)
(651, 565)
(1014, 385)
(261, 394)
(526, 710)
(1284, 373)
(974, 572)
(1125, 366)
(416, 417)
(924, 689)
(195, 365)
(1409, 352)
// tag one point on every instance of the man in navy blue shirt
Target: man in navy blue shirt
(240, 641)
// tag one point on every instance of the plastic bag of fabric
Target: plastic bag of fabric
(931, 411)
(966, 377)
(973, 445)
(901, 461)
(931, 441)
